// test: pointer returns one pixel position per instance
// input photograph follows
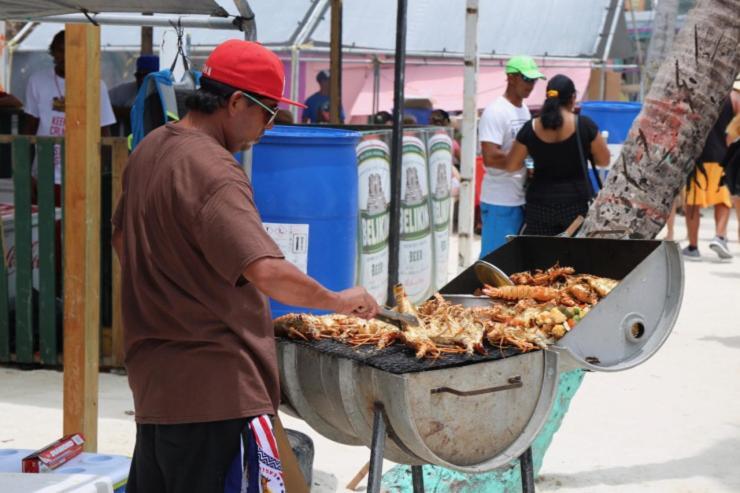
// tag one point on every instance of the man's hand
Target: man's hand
(281, 280)
(356, 301)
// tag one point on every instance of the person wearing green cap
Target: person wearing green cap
(502, 192)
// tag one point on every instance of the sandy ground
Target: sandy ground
(669, 425)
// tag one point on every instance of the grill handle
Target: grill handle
(514, 383)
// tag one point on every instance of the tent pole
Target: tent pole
(638, 49)
(618, 11)
(376, 84)
(295, 67)
(466, 205)
(4, 69)
(397, 147)
(208, 22)
(335, 83)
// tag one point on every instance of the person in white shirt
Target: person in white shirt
(502, 192)
(44, 105)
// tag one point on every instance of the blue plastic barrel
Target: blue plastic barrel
(614, 116)
(308, 176)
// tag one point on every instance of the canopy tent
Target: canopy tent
(300, 31)
(523, 27)
(507, 28)
(434, 26)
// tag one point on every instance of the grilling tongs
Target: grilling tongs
(395, 318)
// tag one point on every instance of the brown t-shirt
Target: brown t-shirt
(198, 337)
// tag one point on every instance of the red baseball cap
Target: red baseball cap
(250, 67)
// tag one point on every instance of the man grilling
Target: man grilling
(197, 268)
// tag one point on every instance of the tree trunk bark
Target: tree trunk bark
(677, 114)
(661, 41)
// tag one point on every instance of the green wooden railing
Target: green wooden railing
(30, 321)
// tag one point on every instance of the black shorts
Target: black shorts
(187, 458)
(552, 218)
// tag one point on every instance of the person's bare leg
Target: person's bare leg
(670, 223)
(721, 217)
(692, 224)
(736, 203)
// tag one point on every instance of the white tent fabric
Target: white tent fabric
(31, 9)
(552, 28)
(540, 28)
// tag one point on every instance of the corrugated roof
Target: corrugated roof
(30, 9)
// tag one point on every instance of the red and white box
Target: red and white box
(54, 455)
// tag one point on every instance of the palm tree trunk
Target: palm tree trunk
(677, 114)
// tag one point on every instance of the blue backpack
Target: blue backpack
(156, 103)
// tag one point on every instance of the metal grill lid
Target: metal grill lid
(632, 322)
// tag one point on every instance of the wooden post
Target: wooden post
(335, 84)
(81, 179)
(120, 156)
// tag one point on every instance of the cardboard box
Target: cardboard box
(54, 454)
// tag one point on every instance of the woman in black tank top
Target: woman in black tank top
(559, 189)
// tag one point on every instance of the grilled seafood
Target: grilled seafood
(539, 309)
(602, 285)
(416, 337)
(582, 293)
(542, 278)
(513, 293)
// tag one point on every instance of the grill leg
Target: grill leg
(417, 476)
(527, 470)
(376, 451)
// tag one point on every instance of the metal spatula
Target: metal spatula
(387, 315)
(488, 273)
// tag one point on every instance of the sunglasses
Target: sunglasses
(272, 112)
(527, 79)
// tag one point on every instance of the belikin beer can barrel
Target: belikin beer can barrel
(305, 188)
(439, 149)
(415, 255)
(374, 194)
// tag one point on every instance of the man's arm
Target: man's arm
(281, 280)
(516, 157)
(491, 130)
(493, 156)
(600, 151)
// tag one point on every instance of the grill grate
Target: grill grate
(399, 359)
